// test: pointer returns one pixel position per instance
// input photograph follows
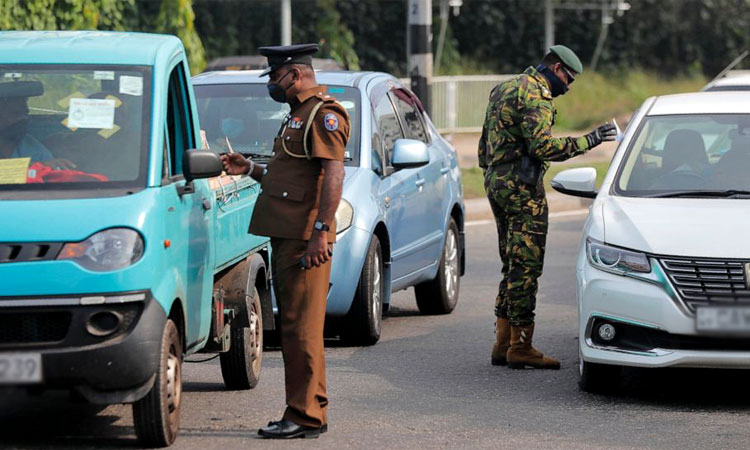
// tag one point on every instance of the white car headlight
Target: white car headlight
(617, 260)
(344, 216)
(107, 250)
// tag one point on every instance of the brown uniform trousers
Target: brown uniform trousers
(301, 296)
(285, 211)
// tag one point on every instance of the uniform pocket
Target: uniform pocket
(285, 191)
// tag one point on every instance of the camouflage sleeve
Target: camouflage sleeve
(482, 152)
(536, 127)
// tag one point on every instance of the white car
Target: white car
(663, 271)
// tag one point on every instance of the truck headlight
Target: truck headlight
(617, 260)
(344, 216)
(107, 250)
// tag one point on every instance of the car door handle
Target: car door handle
(445, 169)
(206, 204)
(420, 182)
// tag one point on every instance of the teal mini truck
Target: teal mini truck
(123, 249)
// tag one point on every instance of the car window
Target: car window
(410, 115)
(179, 129)
(388, 126)
(245, 117)
(687, 152)
(74, 127)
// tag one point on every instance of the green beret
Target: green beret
(15, 89)
(567, 57)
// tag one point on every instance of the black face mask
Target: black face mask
(276, 91)
(557, 87)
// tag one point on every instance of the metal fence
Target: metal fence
(458, 103)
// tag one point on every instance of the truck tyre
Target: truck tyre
(240, 366)
(440, 295)
(157, 415)
(363, 323)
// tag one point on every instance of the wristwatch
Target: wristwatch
(321, 226)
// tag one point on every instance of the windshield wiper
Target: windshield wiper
(729, 193)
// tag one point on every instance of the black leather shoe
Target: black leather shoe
(286, 429)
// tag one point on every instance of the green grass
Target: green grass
(473, 181)
(597, 97)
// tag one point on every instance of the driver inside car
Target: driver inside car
(15, 141)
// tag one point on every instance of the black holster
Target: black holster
(530, 170)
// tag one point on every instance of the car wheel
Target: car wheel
(597, 378)
(440, 295)
(240, 366)
(363, 323)
(157, 415)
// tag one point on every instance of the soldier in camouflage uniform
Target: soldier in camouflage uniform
(514, 153)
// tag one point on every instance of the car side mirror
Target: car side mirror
(580, 182)
(198, 164)
(409, 153)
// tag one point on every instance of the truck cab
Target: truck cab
(123, 248)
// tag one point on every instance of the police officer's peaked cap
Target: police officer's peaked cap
(567, 57)
(17, 89)
(287, 54)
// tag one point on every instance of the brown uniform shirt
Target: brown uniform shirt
(292, 183)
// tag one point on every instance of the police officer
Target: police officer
(301, 188)
(514, 151)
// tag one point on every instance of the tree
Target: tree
(177, 17)
(64, 14)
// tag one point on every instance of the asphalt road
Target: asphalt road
(429, 384)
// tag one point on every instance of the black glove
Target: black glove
(606, 132)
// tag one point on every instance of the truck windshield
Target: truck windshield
(688, 155)
(73, 127)
(246, 117)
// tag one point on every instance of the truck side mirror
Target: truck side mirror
(198, 164)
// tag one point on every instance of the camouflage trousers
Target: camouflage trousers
(521, 217)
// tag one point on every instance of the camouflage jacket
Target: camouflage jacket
(519, 118)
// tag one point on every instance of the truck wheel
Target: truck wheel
(240, 366)
(157, 415)
(440, 295)
(597, 378)
(363, 323)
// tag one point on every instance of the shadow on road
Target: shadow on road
(705, 389)
(37, 421)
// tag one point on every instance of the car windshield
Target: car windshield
(73, 127)
(688, 156)
(244, 116)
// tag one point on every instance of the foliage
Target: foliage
(595, 98)
(64, 14)
(177, 17)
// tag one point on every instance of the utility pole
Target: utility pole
(549, 26)
(419, 65)
(286, 22)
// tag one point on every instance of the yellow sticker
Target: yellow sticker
(118, 102)
(14, 170)
(64, 103)
(107, 133)
(65, 123)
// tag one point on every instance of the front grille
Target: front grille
(708, 281)
(33, 327)
(29, 251)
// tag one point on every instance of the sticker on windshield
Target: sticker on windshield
(13, 170)
(13, 75)
(104, 75)
(91, 113)
(131, 85)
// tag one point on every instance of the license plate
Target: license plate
(18, 368)
(723, 319)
